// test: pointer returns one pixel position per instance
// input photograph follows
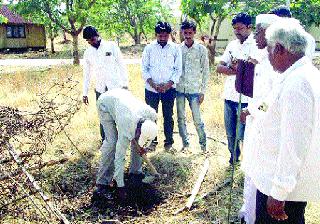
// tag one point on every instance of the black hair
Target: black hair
(162, 27)
(188, 25)
(243, 18)
(281, 11)
(89, 32)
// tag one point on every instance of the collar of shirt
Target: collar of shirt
(169, 44)
(302, 61)
(194, 45)
(249, 40)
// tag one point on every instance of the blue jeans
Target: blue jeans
(167, 101)
(194, 104)
(230, 122)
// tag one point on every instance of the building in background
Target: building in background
(19, 34)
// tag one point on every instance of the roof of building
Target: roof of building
(11, 16)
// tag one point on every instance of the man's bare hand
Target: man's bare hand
(85, 100)
(142, 151)
(201, 98)
(243, 115)
(164, 87)
(275, 209)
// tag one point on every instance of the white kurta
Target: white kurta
(286, 163)
(263, 81)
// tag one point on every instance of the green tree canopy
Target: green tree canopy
(215, 10)
(307, 11)
(135, 17)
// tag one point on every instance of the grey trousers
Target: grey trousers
(113, 153)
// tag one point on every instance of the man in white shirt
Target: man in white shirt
(241, 48)
(125, 120)
(284, 11)
(104, 60)
(263, 81)
(192, 84)
(161, 70)
(286, 167)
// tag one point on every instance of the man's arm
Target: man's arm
(226, 69)
(122, 66)
(177, 67)
(176, 72)
(204, 60)
(227, 65)
(146, 64)
(86, 78)
(296, 108)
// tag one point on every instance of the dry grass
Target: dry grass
(72, 182)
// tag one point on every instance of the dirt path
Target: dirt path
(49, 62)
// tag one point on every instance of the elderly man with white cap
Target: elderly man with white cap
(285, 167)
(263, 81)
(125, 119)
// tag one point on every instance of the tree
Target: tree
(307, 11)
(70, 15)
(256, 7)
(135, 17)
(216, 10)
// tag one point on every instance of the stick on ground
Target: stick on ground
(196, 187)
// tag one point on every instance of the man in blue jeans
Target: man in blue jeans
(161, 70)
(192, 84)
(240, 48)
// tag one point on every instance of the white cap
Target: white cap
(265, 20)
(149, 131)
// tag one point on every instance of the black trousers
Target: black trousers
(167, 101)
(294, 209)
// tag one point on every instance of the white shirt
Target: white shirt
(236, 50)
(107, 65)
(126, 110)
(311, 46)
(264, 75)
(262, 86)
(161, 64)
(195, 69)
(287, 162)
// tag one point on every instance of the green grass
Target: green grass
(72, 183)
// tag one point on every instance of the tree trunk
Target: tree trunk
(76, 59)
(136, 36)
(213, 42)
(51, 36)
(136, 40)
(65, 40)
(52, 44)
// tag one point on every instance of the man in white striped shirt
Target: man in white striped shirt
(161, 70)
(104, 60)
